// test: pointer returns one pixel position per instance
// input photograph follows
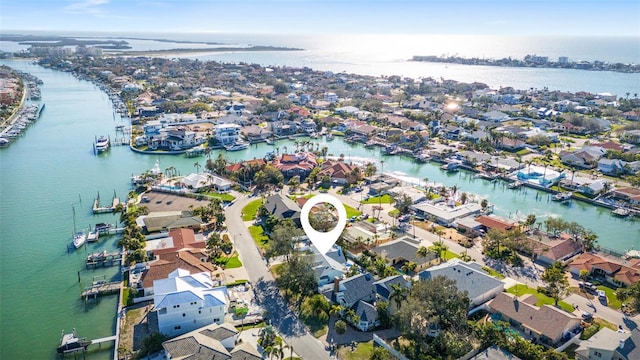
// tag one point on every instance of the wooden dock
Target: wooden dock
(99, 287)
(99, 209)
(103, 259)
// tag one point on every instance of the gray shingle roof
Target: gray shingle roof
(403, 249)
(282, 207)
(365, 311)
(383, 287)
(354, 289)
(467, 278)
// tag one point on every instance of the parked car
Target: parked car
(602, 295)
(587, 316)
(587, 286)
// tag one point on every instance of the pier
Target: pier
(103, 259)
(99, 287)
(99, 209)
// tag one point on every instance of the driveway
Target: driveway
(595, 307)
(267, 294)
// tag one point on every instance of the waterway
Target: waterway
(52, 169)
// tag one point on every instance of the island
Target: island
(533, 61)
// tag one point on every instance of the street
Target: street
(268, 296)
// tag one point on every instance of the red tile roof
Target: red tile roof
(492, 222)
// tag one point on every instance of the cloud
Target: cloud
(93, 7)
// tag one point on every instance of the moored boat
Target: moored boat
(93, 236)
(562, 196)
(102, 228)
(102, 144)
(237, 146)
(514, 185)
(621, 212)
(329, 137)
(71, 343)
(79, 238)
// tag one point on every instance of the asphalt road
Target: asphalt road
(268, 296)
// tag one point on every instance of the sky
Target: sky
(482, 17)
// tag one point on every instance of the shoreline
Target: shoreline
(199, 50)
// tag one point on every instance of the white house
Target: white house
(187, 301)
(227, 133)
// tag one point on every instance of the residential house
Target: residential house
(613, 272)
(551, 250)
(608, 344)
(282, 207)
(403, 250)
(298, 164)
(339, 172)
(255, 133)
(510, 144)
(480, 286)
(613, 167)
(414, 194)
(186, 301)
(385, 289)
(494, 116)
(204, 180)
(210, 342)
(168, 261)
(227, 134)
(356, 292)
(445, 214)
(494, 353)
(592, 187)
(327, 266)
(168, 220)
(628, 194)
(494, 222)
(547, 324)
(585, 158)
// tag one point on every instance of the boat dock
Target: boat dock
(103, 340)
(99, 209)
(103, 259)
(99, 287)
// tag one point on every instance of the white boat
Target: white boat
(102, 144)
(563, 196)
(514, 185)
(71, 343)
(622, 212)
(451, 166)
(329, 137)
(93, 236)
(237, 146)
(79, 238)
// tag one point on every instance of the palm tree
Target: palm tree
(422, 252)
(197, 166)
(398, 294)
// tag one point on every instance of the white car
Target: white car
(602, 295)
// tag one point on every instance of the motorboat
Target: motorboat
(102, 144)
(237, 146)
(621, 212)
(562, 196)
(102, 228)
(514, 185)
(93, 236)
(72, 343)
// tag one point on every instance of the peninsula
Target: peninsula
(534, 61)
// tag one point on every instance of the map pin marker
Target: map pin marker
(323, 241)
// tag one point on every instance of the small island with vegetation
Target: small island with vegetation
(534, 61)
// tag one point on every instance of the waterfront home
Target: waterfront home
(608, 344)
(400, 251)
(628, 194)
(547, 324)
(445, 214)
(282, 207)
(205, 180)
(227, 134)
(585, 158)
(414, 194)
(339, 172)
(547, 251)
(469, 226)
(480, 286)
(298, 164)
(185, 302)
(611, 271)
(495, 222)
(210, 342)
(194, 260)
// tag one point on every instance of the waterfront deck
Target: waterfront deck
(103, 259)
(99, 287)
(99, 209)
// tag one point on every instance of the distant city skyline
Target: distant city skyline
(482, 17)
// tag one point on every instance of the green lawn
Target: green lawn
(257, 233)
(222, 196)
(612, 299)
(362, 351)
(351, 211)
(384, 199)
(595, 326)
(230, 263)
(543, 299)
(317, 327)
(448, 255)
(250, 210)
(493, 272)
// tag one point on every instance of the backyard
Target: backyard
(543, 299)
